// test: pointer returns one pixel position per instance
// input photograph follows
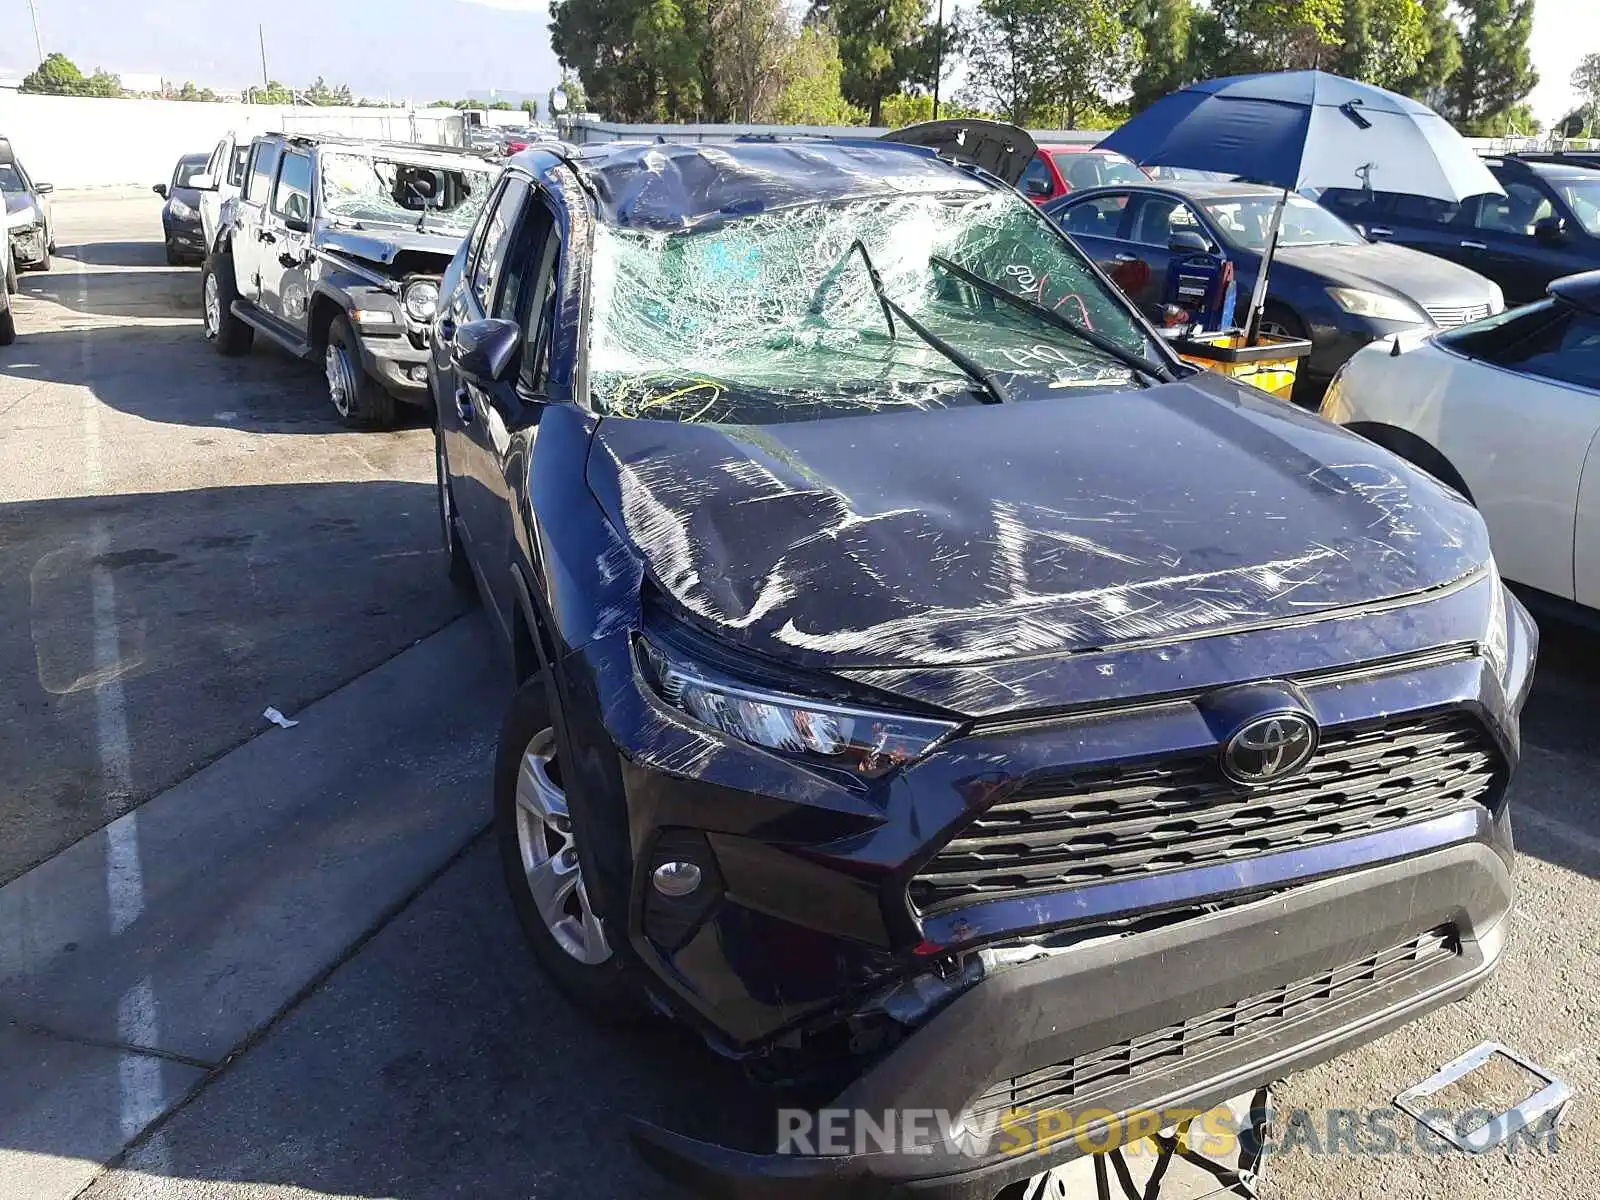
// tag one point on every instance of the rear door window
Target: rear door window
(1516, 212)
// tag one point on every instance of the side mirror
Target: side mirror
(297, 224)
(44, 189)
(1550, 229)
(1037, 187)
(487, 350)
(1187, 241)
(203, 182)
(160, 189)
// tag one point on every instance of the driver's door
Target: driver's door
(284, 240)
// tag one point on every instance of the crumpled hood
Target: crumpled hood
(1058, 525)
(381, 245)
(1384, 267)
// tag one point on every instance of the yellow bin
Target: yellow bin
(1269, 365)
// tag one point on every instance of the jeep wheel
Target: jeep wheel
(459, 567)
(227, 332)
(8, 324)
(11, 275)
(540, 826)
(356, 396)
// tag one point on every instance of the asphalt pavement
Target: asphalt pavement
(264, 964)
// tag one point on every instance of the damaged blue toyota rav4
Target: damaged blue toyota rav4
(931, 688)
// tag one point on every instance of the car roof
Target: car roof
(197, 157)
(1075, 148)
(1545, 170)
(676, 185)
(1580, 291)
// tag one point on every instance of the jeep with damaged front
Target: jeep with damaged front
(933, 691)
(334, 249)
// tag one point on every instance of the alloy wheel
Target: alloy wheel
(341, 378)
(213, 306)
(550, 855)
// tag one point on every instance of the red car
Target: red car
(1059, 169)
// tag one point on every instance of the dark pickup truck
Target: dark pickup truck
(334, 249)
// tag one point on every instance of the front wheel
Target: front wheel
(539, 826)
(356, 396)
(460, 569)
(218, 291)
(8, 324)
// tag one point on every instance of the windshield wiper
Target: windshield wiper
(993, 392)
(1136, 362)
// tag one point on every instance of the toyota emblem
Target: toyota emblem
(1269, 748)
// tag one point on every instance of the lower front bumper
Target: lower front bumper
(186, 239)
(28, 246)
(399, 367)
(1036, 1018)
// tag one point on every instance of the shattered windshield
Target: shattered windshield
(774, 316)
(364, 189)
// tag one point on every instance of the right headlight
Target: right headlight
(421, 300)
(1377, 305)
(865, 743)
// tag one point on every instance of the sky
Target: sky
(434, 49)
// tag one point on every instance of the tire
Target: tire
(8, 324)
(174, 259)
(599, 977)
(218, 291)
(355, 395)
(11, 275)
(458, 565)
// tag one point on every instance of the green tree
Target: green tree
(1513, 119)
(531, 107)
(1164, 28)
(1384, 41)
(881, 44)
(1235, 37)
(1048, 61)
(1496, 70)
(638, 60)
(57, 75)
(812, 93)
(103, 83)
(1441, 56)
(1586, 82)
(273, 93)
(749, 43)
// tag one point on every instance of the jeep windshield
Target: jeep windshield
(776, 316)
(369, 189)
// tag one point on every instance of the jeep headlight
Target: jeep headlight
(1377, 305)
(863, 742)
(421, 300)
(1496, 638)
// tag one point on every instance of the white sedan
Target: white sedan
(1506, 411)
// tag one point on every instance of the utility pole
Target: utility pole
(261, 37)
(38, 42)
(938, 59)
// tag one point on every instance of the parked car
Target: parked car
(221, 182)
(1547, 225)
(1061, 168)
(180, 215)
(29, 224)
(334, 250)
(929, 697)
(1506, 411)
(1327, 282)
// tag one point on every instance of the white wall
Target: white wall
(73, 141)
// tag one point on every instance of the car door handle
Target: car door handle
(1380, 231)
(1474, 245)
(464, 405)
(1125, 257)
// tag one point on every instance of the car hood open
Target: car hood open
(1048, 526)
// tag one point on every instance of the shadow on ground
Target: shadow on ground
(205, 607)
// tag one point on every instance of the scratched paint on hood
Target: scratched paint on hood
(1056, 525)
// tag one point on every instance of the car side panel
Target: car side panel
(1586, 531)
(1518, 443)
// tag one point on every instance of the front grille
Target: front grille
(1448, 316)
(1106, 823)
(1078, 1082)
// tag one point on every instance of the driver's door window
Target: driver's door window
(291, 196)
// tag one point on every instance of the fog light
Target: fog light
(676, 878)
(417, 374)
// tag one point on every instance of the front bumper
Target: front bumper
(187, 237)
(1115, 993)
(399, 366)
(1336, 336)
(28, 245)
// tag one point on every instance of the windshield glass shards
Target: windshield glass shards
(777, 316)
(373, 189)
